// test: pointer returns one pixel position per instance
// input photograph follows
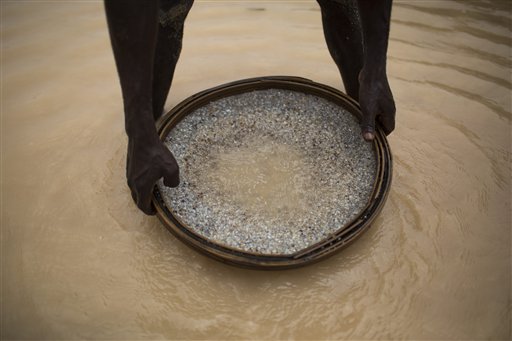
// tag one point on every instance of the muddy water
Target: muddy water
(265, 178)
(79, 261)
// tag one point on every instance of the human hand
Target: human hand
(377, 104)
(148, 161)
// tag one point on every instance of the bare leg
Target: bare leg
(344, 37)
(357, 33)
(172, 15)
(133, 33)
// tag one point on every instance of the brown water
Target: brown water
(264, 178)
(80, 261)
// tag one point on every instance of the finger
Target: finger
(387, 123)
(172, 177)
(140, 197)
(368, 122)
(149, 209)
(144, 200)
(142, 206)
(387, 117)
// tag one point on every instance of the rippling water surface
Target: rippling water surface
(80, 261)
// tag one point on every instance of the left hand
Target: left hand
(377, 104)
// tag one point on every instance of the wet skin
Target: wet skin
(146, 38)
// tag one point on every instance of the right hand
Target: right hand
(146, 163)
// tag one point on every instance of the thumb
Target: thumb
(368, 121)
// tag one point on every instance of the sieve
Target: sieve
(326, 246)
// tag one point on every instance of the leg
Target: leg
(344, 37)
(133, 30)
(172, 15)
(375, 97)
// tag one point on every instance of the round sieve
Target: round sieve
(260, 257)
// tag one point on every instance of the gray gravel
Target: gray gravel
(329, 171)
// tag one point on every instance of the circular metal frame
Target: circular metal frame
(327, 247)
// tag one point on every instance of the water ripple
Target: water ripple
(503, 21)
(479, 74)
